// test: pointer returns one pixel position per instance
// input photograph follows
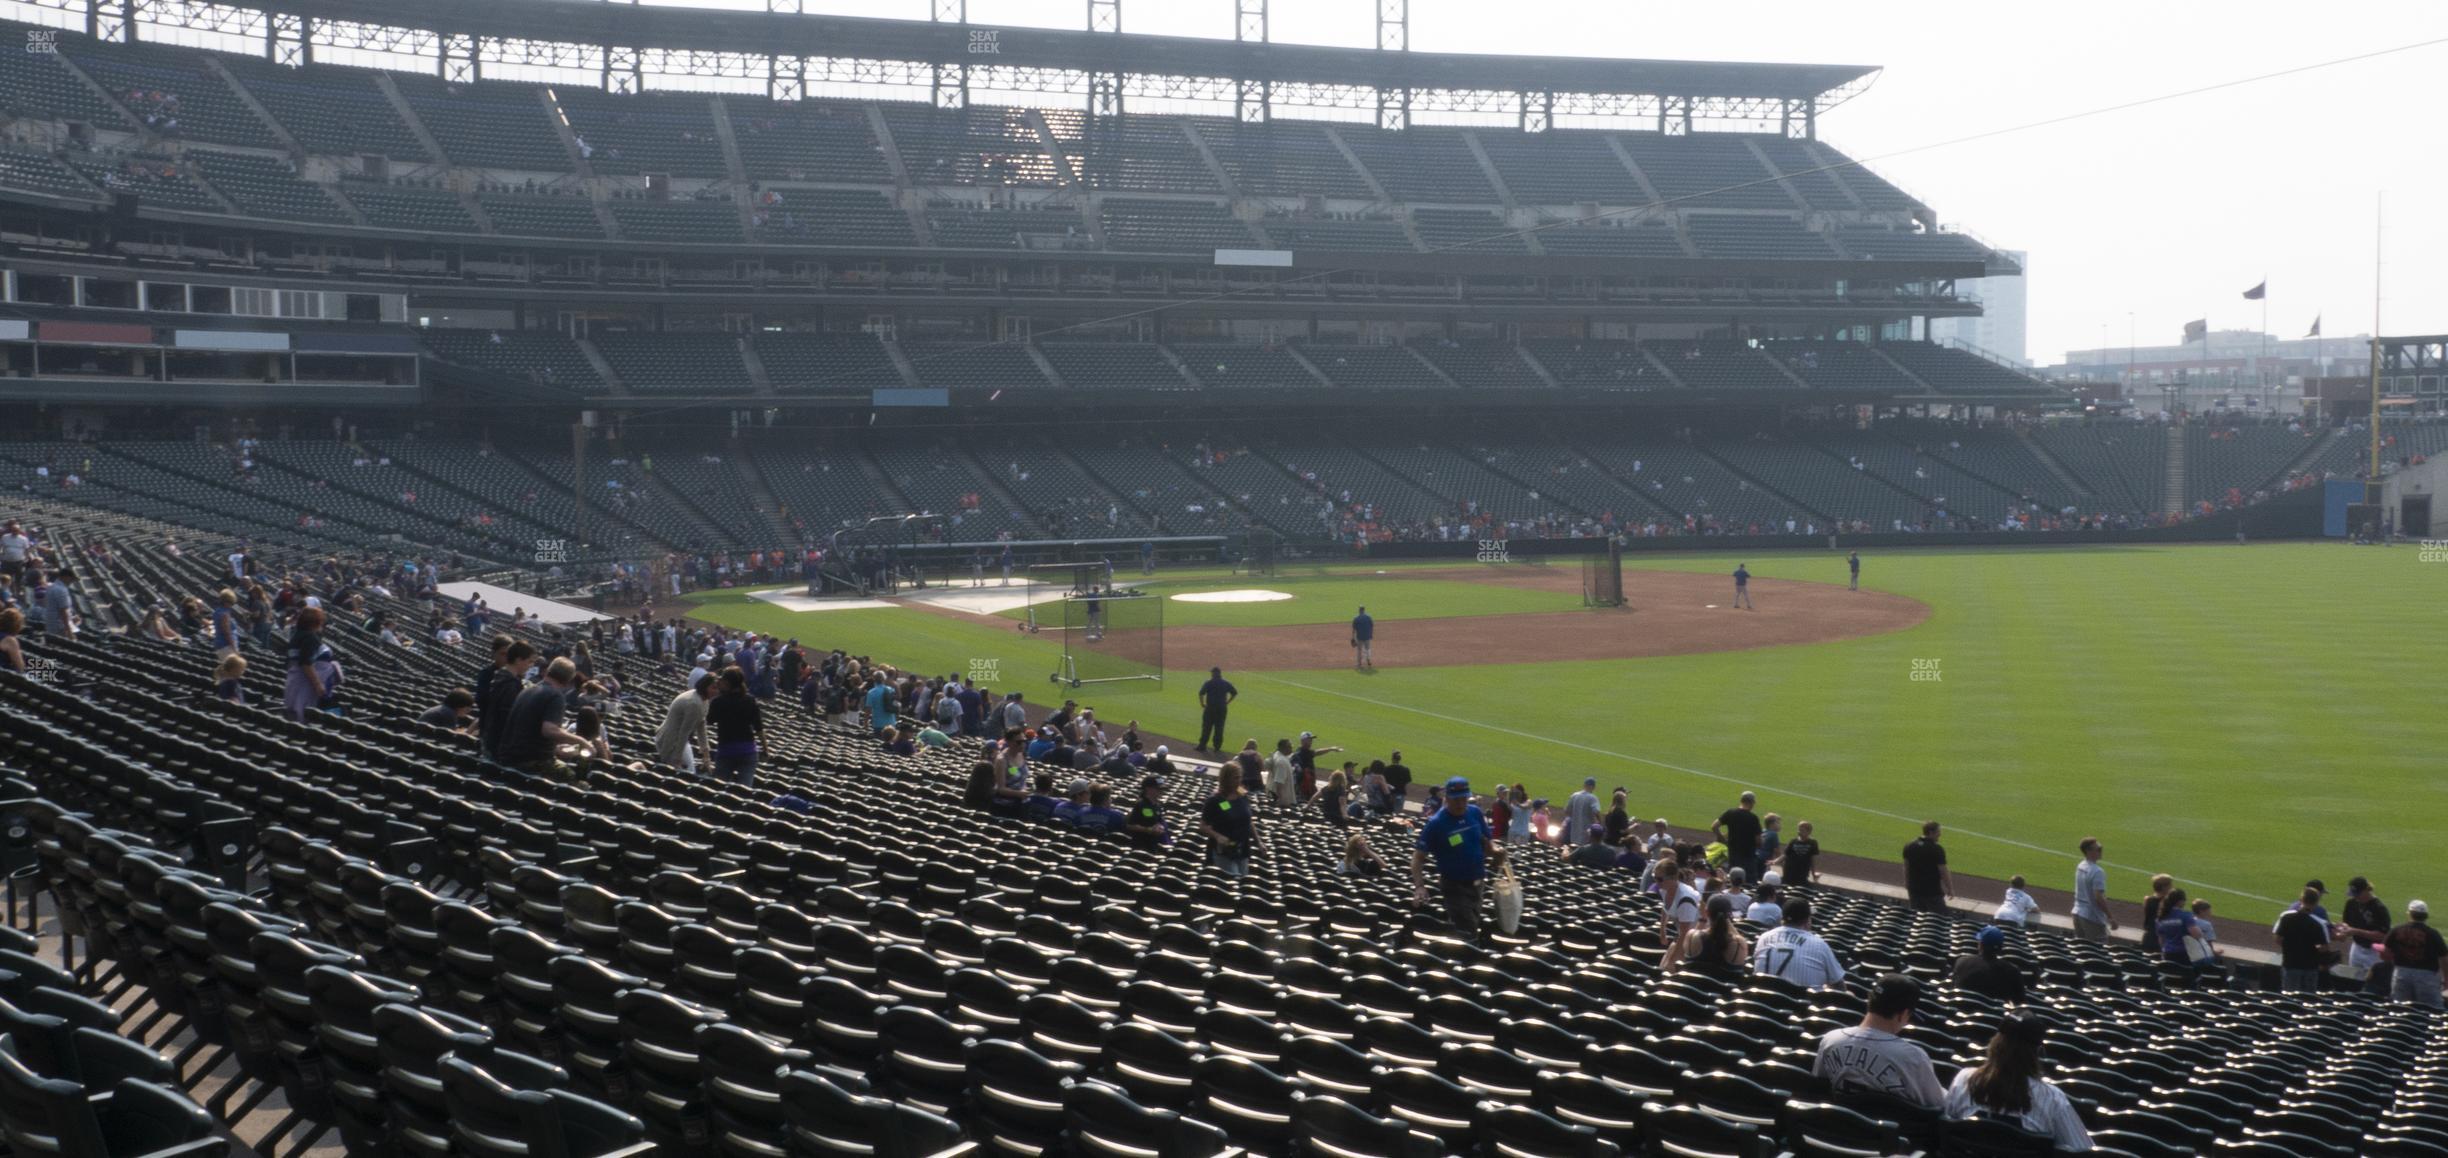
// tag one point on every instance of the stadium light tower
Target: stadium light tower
(950, 84)
(1251, 97)
(1393, 35)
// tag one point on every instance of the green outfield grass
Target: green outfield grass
(1320, 596)
(2241, 717)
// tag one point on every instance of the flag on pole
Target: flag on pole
(2258, 292)
(2197, 330)
(2315, 327)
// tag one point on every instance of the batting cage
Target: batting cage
(1602, 577)
(1257, 559)
(1112, 637)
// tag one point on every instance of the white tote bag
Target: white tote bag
(1508, 892)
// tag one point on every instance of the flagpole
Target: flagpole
(2371, 488)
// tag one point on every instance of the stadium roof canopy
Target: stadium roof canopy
(1672, 92)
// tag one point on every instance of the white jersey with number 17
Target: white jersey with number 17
(1797, 955)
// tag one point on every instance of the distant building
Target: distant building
(2000, 328)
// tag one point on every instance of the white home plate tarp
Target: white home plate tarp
(503, 601)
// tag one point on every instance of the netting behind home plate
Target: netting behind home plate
(1111, 637)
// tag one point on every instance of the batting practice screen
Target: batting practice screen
(1602, 578)
(1112, 638)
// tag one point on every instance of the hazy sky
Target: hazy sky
(2165, 213)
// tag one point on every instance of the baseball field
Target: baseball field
(2242, 717)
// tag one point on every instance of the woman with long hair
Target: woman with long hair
(304, 688)
(1336, 799)
(229, 678)
(1715, 947)
(2007, 1087)
(12, 625)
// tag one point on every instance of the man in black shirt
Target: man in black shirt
(1986, 972)
(484, 678)
(1145, 821)
(1398, 774)
(455, 712)
(501, 692)
(2303, 945)
(1926, 879)
(2420, 957)
(533, 733)
(1214, 697)
(1739, 828)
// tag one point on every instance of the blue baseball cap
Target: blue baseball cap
(1458, 784)
(1991, 935)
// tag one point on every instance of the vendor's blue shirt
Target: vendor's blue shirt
(1458, 844)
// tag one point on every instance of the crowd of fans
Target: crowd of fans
(1733, 899)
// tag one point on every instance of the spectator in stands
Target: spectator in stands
(2176, 927)
(1715, 949)
(2303, 945)
(1457, 838)
(1359, 860)
(1398, 775)
(1232, 835)
(229, 676)
(1335, 800)
(225, 622)
(738, 724)
(1592, 852)
(1771, 844)
(54, 601)
(305, 685)
(1145, 821)
(683, 733)
(2018, 906)
(155, 627)
(1926, 880)
(456, 712)
(2155, 905)
(2092, 921)
(1041, 803)
(1739, 828)
(1100, 815)
(1800, 863)
(1581, 813)
(15, 548)
(1304, 763)
(1795, 953)
(12, 651)
(1282, 776)
(1767, 905)
(532, 734)
(502, 685)
(2418, 958)
(1985, 972)
(1678, 901)
(2201, 920)
(1874, 1057)
(979, 792)
(2367, 925)
(1075, 801)
(900, 741)
(1618, 819)
(2007, 1087)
